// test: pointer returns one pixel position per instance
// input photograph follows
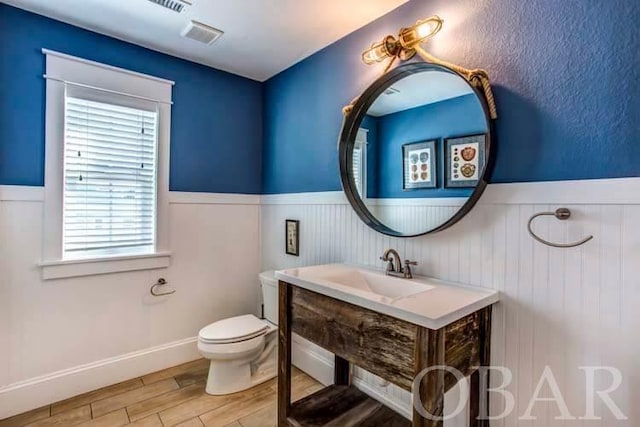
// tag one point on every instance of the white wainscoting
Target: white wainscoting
(564, 308)
(59, 338)
(413, 216)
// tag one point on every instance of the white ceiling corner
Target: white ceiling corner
(261, 38)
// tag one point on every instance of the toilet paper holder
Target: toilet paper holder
(161, 282)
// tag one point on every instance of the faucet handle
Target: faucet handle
(407, 268)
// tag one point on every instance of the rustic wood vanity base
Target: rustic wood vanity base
(393, 349)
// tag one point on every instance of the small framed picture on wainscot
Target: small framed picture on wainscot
(419, 165)
(464, 160)
(292, 230)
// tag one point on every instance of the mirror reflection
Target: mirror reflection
(420, 151)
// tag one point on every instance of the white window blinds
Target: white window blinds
(109, 178)
(357, 167)
(360, 162)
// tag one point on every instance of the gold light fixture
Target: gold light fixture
(420, 32)
(409, 42)
(380, 51)
(403, 46)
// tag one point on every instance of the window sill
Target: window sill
(107, 265)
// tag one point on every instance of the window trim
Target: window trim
(63, 70)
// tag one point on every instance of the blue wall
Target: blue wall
(216, 128)
(566, 76)
(453, 117)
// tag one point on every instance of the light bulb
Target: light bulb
(380, 51)
(374, 54)
(421, 31)
(426, 29)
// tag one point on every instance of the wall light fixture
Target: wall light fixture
(403, 47)
(409, 42)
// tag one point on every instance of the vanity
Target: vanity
(392, 327)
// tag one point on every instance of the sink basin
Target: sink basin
(423, 301)
(376, 283)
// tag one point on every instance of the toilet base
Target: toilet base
(228, 376)
(225, 378)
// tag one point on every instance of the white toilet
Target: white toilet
(243, 350)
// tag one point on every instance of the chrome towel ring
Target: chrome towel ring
(160, 282)
(561, 214)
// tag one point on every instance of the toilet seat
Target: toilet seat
(233, 330)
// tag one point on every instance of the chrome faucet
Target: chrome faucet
(391, 267)
(394, 264)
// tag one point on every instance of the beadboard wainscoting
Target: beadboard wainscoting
(424, 214)
(563, 308)
(60, 338)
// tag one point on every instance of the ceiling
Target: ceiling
(419, 89)
(261, 38)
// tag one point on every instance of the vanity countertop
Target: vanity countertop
(438, 304)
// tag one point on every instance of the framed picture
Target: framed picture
(292, 229)
(464, 160)
(419, 165)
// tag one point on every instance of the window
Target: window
(106, 169)
(360, 163)
(358, 169)
(109, 179)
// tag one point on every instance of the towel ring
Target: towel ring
(160, 282)
(561, 214)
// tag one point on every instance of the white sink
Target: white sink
(386, 286)
(423, 301)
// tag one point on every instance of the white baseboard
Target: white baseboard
(310, 359)
(379, 394)
(36, 392)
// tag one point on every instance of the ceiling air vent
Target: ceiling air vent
(175, 5)
(201, 32)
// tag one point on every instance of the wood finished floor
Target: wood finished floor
(172, 397)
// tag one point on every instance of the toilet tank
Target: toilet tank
(269, 285)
